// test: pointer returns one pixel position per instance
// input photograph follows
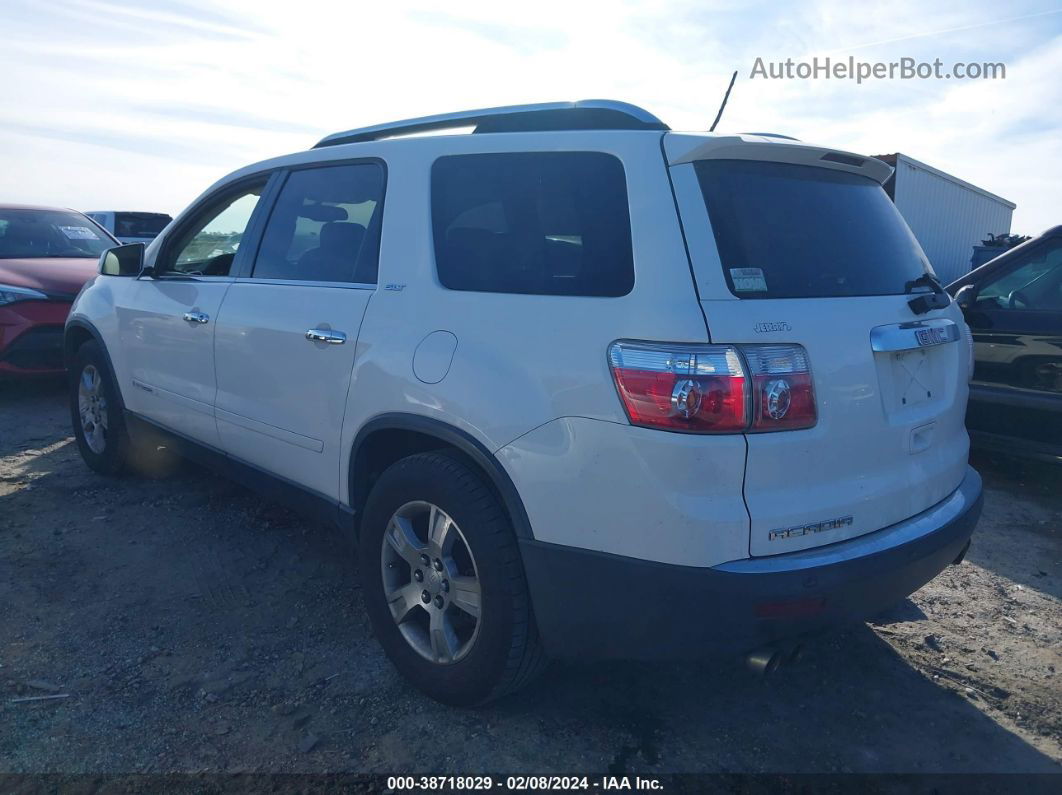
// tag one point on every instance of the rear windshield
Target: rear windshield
(792, 231)
(37, 234)
(139, 224)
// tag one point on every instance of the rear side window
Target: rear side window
(324, 226)
(793, 231)
(543, 223)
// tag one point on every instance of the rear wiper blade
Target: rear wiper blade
(925, 280)
(938, 299)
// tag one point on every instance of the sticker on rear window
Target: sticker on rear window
(78, 233)
(748, 280)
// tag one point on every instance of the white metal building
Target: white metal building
(947, 215)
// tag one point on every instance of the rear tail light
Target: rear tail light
(782, 394)
(711, 389)
(698, 388)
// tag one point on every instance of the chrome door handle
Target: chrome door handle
(328, 335)
(197, 317)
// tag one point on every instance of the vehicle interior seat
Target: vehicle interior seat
(333, 259)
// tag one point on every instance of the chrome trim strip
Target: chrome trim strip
(469, 118)
(181, 400)
(923, 524)
(916, 334)
(174, 276)
(306, 283)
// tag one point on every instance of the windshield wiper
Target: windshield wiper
(938, 299)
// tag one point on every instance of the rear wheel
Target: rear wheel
(443, 582)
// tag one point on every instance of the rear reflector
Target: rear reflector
(711, 389)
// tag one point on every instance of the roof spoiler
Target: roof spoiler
(768, 146)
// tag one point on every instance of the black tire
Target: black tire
(506, 653)
(114, 458)
(121, 453)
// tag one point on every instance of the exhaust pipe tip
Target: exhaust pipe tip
(764, 662)
(769, 659)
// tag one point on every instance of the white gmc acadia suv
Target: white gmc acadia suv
(578, 386)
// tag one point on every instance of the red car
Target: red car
(46, 255)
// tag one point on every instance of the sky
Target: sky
(142, 105)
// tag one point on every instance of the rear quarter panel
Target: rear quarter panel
(521, 361)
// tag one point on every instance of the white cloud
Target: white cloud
(115, 104)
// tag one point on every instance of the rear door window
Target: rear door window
(544, 223)
(324, 226)
(794, 231)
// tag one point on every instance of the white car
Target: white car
(578, 385)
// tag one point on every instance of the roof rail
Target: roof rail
(586, 114)
(771, 135)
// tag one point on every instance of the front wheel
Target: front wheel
(99, 422)
(443, 582)
(96, 413)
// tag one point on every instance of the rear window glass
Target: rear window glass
(545, 223)
(139, 224)
(793, 231)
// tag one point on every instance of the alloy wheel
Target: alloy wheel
(92, 408)
(431, 582)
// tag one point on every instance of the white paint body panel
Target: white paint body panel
(169, 362)
(861, 459)
(667, 497)
(281, 398)
(521, 360)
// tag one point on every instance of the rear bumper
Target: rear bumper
(594, 605)
(31, 337)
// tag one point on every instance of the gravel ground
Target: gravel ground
(192, 626)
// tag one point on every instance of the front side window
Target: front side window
(1034, 285)
(209, 245)
(38, 234)
(795, 231)
(325, 226)
(543, 223)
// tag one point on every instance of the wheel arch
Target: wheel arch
(387, 438)
(79, 331)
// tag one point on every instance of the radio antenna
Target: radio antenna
(726, 96)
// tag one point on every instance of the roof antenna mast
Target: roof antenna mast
(726, 96)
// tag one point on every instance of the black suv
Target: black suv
(1013, 305)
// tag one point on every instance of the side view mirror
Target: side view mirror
(966, 296)
(127, 260)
